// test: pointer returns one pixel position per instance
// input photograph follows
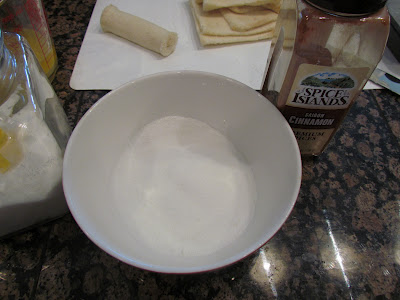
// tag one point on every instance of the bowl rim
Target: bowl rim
(93, 236)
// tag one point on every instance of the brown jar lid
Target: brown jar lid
(351, 7)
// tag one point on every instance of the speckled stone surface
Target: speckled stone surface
(342, 240)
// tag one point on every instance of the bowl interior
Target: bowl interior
(253, 125)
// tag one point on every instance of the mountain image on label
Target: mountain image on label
(329, 80)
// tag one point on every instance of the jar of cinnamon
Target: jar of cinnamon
(322, 54)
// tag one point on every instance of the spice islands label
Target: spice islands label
(318, 101)
(318, 87)
(324, 90)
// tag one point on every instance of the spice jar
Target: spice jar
(34, 131)
(322, 54)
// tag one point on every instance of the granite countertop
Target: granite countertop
(342, 240)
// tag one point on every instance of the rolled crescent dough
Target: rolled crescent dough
(138, 30)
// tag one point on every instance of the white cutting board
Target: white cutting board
(106, 61)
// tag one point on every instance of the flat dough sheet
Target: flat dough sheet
(106, 61)
(213, 23)
(249, 21)
(215, 4)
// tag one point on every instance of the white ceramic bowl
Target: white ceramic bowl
(250, 122)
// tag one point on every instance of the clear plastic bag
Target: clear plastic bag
(34, 132)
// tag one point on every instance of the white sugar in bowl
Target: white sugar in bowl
(181, 172)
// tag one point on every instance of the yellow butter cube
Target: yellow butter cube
(10, 152)
(4, 164)
(3, 138)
